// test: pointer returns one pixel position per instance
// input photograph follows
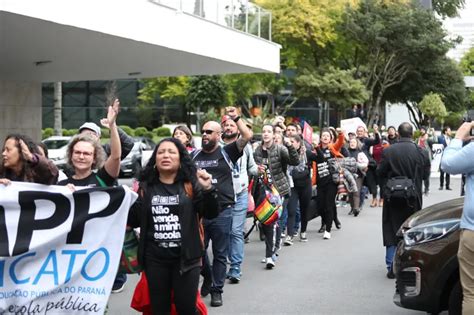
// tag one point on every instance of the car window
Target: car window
(55, 144)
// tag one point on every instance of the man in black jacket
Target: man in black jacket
(403, 158)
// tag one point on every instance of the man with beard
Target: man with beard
(219, 161)
(244, 167)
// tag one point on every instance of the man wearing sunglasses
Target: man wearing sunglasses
(219, 162)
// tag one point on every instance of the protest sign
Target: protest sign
(59, 251)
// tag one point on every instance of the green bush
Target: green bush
(105, 132)
(149, 134)
(66, 132)
(47, 132)
(163, 132)
(140, 131)
(129, 131)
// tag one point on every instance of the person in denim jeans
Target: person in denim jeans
(219, 162)
(244, 167)
(457, 159)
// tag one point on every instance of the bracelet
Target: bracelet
(236, 119)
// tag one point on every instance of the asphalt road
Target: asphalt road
(344, 275)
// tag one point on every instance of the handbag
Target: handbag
(268, 202)
(400, 188)
(129, 256)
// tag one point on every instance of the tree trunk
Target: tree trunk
(58, 104)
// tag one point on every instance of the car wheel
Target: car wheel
(455, 299)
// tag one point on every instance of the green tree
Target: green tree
(338, 87)
(432, 106)
(385, 41)
(439, 75)
(447, 8)
(467, 63)
(205, 93)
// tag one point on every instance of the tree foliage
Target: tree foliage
(447, 8)
(432, 106)
(206, 92)
(339, 87)
(467, 63)
(388, 40)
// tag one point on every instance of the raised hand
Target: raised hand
(112, 112)
(25, 151)
(204, 178)
(232, 112)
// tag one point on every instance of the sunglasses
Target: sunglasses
(207, 132)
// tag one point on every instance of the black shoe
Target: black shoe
(390, 274)
(216, 299)
(205, 288)
(356, 212)
(322, 229)
(337, 223)
(441, 188)
(447, 188)
(351, 212)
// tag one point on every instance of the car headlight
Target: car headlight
(431, 231)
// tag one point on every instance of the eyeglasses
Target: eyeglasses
(207, 132)
(85, 153)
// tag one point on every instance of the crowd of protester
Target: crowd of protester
(210, 190)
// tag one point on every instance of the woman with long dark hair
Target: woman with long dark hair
(21, 161)
(173, 196)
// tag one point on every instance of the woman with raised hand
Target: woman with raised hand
(21, 161)
(85, 154)
(173, 197)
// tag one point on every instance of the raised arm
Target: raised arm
(112, 165)
(245, 133)
(457, 159)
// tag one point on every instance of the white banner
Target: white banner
(437, 151)
(59, 251)
(351, 125)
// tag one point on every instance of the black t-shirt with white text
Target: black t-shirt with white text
(91, 180)
(324, 175)
(164, 230)
(215, 164)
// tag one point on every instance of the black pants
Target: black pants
(301, 194)
(327, 203)
(273, 234)
(162, 278)
(441, 179)
(371, 182)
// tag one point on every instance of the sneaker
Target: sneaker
(233, 275)
(270, 263)
(351, 212)
(216, 299)
(288, 241)
(303, 237)
(118, 287)
(283, 234)
(264, 260)
(327, 235)
(295, 234)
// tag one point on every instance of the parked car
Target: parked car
(57, 149)
(132, 163)
(425, 264)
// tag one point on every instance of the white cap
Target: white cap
(91, 126)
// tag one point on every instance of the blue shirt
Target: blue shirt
(459, 160)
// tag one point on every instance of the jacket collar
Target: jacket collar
(405, 140)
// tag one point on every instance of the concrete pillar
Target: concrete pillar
(20, 109)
